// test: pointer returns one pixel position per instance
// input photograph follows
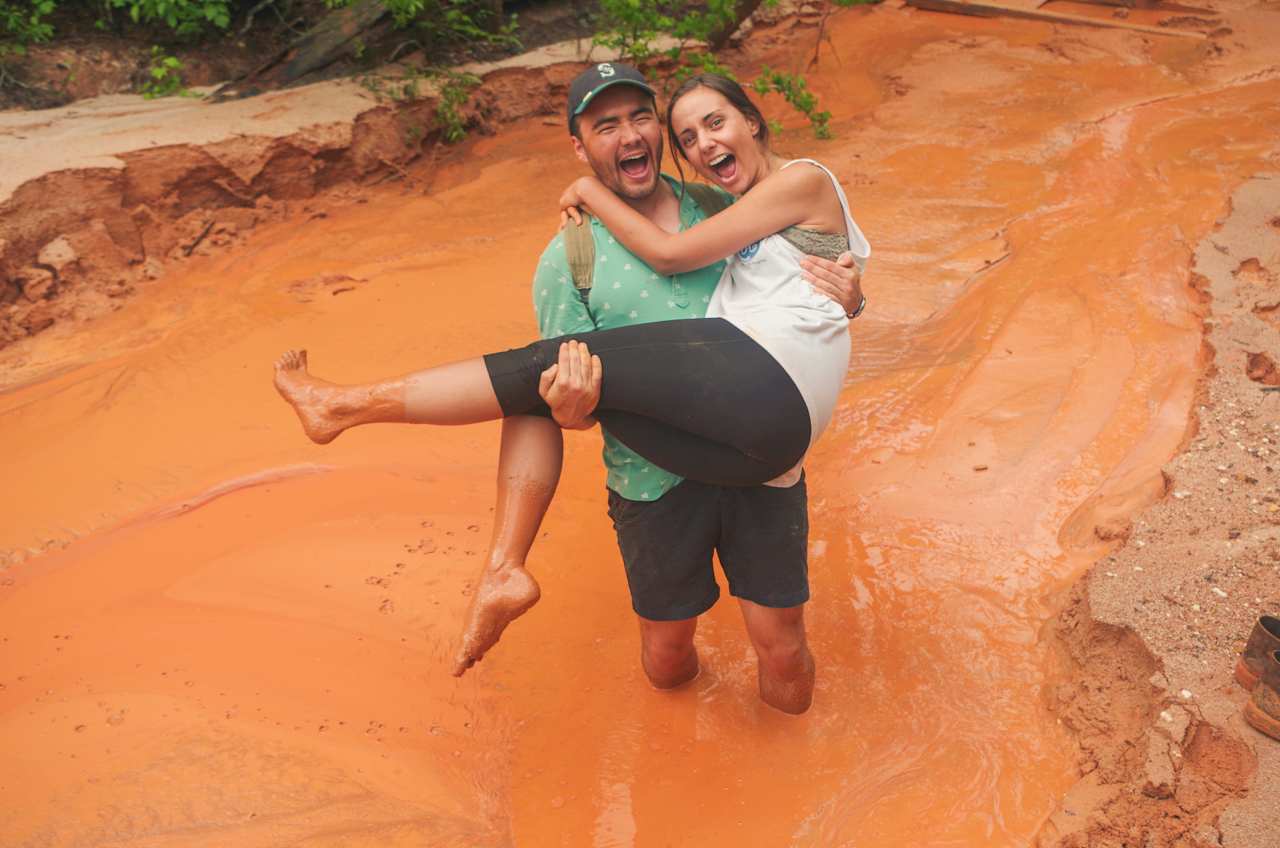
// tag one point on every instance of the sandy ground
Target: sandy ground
(215, 633)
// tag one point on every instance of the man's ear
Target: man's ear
(579, 150)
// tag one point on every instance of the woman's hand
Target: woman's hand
(573, 202)
(840, 280)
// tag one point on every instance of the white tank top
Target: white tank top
(763, 294)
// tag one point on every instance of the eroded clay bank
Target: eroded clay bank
(213, 632)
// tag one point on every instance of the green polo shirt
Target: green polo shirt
(624, 291)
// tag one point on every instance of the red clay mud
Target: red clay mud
(188, 661)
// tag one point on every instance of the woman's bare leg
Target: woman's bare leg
(457, 393)
(528, 471)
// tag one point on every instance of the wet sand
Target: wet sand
(213, 632)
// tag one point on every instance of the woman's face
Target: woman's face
(718, 140)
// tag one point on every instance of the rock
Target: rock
(57, 254)
(38, 317)
(1260, 368)
(10, 290)
(36, 283)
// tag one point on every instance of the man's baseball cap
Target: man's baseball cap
(596, 79)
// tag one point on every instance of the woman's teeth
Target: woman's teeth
(724, 165)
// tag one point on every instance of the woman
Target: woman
(749, 389)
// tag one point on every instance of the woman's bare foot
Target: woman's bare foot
(505, 593)
(318, 403)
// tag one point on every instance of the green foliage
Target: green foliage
(453, 94)
(22, 22)
(447, 21)
(795, 91)
(165, 77)
(636, 28)
(451, 88)
(184, 17)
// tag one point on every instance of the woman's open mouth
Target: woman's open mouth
(724, 166)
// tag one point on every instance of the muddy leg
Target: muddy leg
(667, 652)
(457, 393)
(786, 668)
(528, 471)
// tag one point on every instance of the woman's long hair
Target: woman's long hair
(732, 92)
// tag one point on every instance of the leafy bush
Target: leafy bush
(634, 27)
(184, 17)
(165, 77)
(22, 22)
(795, 91)
(447, 21)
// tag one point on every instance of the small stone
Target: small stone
(1165, 715)
(58, 254)
(1219, 592)
(36, 283)
(1137, 568)
(1140, 543)
(1186, 694)
(1182, 494)
(1195, 607)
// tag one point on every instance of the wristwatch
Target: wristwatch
(855, 313)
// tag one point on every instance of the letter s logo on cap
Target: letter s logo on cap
(605, 69)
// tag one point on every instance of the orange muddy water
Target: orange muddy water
(215, 633)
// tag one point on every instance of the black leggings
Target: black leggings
(696, 397)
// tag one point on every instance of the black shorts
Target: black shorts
(761, 534)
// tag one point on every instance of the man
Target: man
(667, 528)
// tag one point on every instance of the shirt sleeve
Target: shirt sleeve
(556, 302)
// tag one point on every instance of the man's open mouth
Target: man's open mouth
(725, 166)
(635, 166)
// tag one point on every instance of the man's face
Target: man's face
(621, 139)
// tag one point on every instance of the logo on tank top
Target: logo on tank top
(749, 251)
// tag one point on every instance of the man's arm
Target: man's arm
(840, 280)
(571, 387)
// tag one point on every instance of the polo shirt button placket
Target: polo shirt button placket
(679, 293)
